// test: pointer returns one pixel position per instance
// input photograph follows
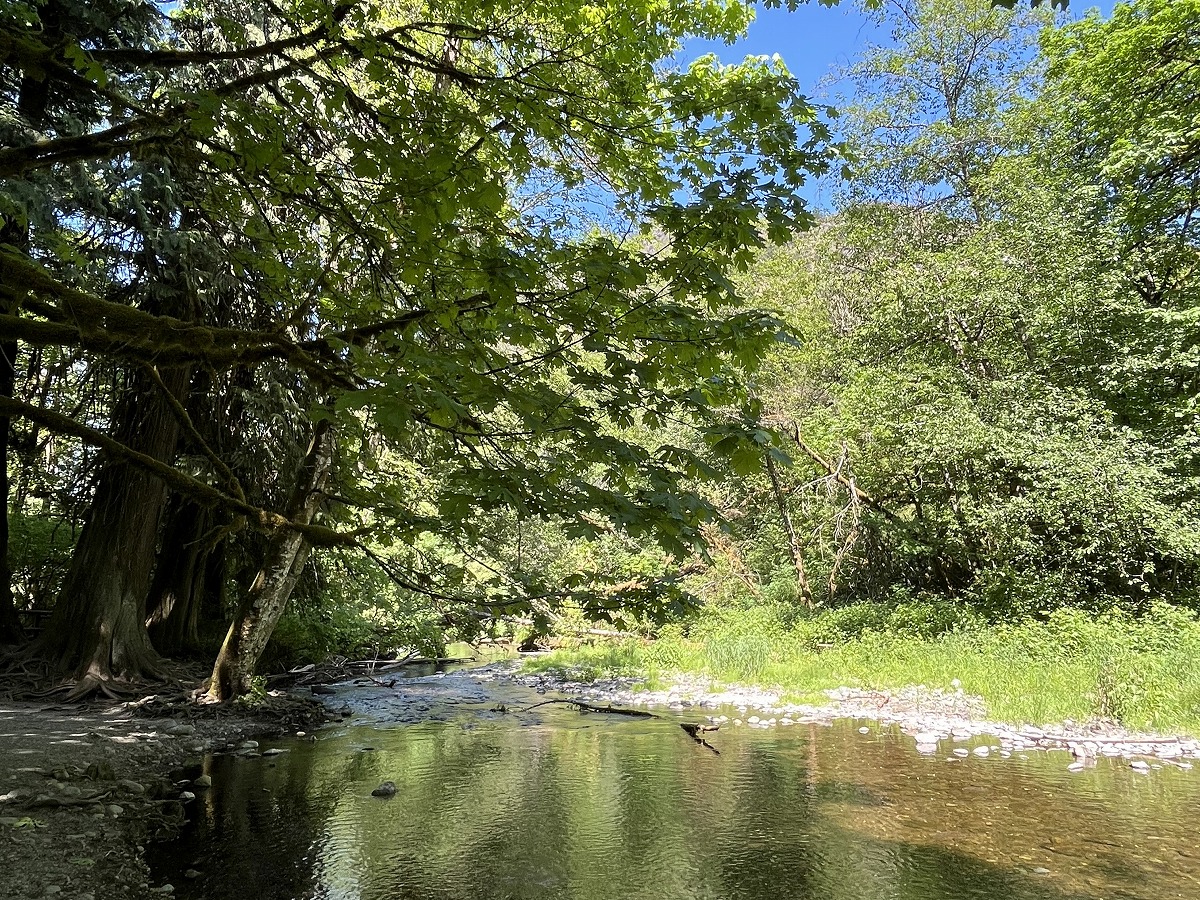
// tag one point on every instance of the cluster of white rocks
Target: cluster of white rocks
(935, 719)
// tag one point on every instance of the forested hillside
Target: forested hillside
(353, 327)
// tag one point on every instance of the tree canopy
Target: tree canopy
(511, 316)
(480, 241)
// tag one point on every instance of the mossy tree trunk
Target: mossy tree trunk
(283, 562)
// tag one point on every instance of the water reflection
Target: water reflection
(555, 804)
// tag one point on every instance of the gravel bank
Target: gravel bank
(938, 721)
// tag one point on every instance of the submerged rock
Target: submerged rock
(387, 789)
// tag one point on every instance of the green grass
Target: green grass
(1143, 673)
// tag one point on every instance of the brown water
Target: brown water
(550, 803)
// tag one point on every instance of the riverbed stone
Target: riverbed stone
(202, 781)
(386, 789)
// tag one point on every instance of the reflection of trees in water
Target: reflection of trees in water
(234, 836)
(618, 809)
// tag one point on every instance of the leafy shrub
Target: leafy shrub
(39, 552)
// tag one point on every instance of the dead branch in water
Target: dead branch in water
(694, 730)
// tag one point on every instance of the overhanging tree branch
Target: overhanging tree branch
(203, 493)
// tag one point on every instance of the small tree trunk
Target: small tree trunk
(10, 622)
(285, 556)
(794, 548)
(180, 578)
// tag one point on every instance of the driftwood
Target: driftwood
(694, 730)
(613, 710)
(584, 706)
(339, 669)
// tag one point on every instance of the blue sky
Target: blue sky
(815, 39)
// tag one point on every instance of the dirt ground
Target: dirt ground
(84, 788)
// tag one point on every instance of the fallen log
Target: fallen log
(613, 710)
(694, 730)
(588, 707)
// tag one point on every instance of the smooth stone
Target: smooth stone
(864, 730)
(248, 745)
(181, 730)
(191, 873)
(114, 810)
(273, 751)
(1039, 870)
(982, 751)
(204, 781)
(186, 796)
(1076, 767)
(754, 720)
(1139, 765)
(961, 752)
(387, 789)
(927, 748)
(132, 787)
(927, 737)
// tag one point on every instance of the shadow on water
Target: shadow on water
(589, 807)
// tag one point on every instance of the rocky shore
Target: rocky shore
(940, 722)
(82, 789)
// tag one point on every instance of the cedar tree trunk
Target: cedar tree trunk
(97, 632)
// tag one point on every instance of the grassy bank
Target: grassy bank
(1143, 673)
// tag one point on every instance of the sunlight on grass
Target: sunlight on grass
(1140, 673)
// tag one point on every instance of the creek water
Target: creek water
(552, 803)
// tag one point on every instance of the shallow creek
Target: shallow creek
(494, 800)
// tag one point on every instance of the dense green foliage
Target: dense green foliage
(992, 407)
(472, 257)
(990, 403)
(519, 326)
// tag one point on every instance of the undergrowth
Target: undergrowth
(1139, 672)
